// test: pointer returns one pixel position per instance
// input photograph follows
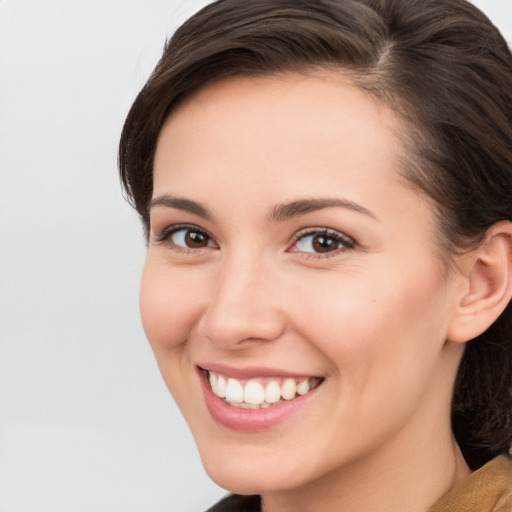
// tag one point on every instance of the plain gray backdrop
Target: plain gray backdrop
(86, 423)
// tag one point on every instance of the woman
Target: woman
(326, 189)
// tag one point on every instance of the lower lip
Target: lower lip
(251, 420)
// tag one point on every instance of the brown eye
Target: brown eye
(322, 242)
(191, 238)
(194, 240)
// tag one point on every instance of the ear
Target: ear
(488, 284)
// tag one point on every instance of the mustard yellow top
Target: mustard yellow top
(488, 489)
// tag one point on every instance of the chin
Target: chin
(247, 480)
(248, 472)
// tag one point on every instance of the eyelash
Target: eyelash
(166, 235)
(344, 241)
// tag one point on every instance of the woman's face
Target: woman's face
(290, 264)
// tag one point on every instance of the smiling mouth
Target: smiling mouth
(259, 393)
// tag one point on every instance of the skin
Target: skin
(373, 317)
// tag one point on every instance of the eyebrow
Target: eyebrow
(284, 212)
(279, 213)
(180, 203)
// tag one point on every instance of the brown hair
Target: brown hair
(446, 70)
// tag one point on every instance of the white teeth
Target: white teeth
(234, 391)
(221, 386)
(212, 377)
(243, 405)
(254, 393)
(303, 387)
(288, 389)
(272, 392)
(218, 384)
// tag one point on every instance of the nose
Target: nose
(244, 306)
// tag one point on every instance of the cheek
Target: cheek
(169, 305)
(384, 345)
(382, 323)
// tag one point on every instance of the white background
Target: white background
(86, 423)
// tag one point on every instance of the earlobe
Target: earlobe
(489, 285)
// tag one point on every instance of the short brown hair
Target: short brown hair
(447, 71)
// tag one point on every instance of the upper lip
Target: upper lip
(250, 372)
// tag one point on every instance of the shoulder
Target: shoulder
(504, 475)
(488, 489)
(236, 503)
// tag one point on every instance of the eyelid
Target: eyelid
(347, 242)
(166, 233)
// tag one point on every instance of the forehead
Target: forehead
(284, 119)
